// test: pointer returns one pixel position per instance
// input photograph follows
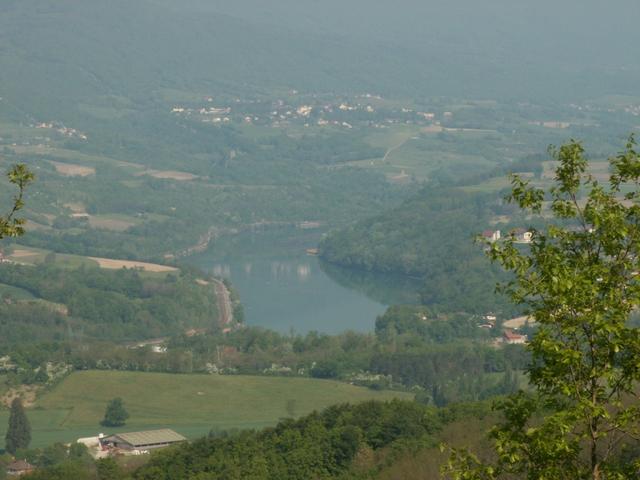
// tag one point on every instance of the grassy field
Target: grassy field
(65, 155)
(114, 222)
(494, 184)
(15, 292)
(190, 404)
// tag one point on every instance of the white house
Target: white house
(492, 235)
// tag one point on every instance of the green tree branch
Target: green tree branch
(10, 224)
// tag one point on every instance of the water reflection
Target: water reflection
(383, 288)
(278, 270)
(304, 270)
(221, 270)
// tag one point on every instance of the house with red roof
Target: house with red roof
(511, 338)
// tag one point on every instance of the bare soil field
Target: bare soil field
(117, 264)
(73, 170)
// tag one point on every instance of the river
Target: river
(282, 288)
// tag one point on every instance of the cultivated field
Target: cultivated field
(190, 404)
(117, 223)
(73, 170)
(33, 256)
(15, 293)
(418, 153)
(117, 264)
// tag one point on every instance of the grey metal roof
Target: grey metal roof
(150, 437)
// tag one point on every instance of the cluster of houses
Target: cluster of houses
(330, 112)
(62, 130)
(520, 234)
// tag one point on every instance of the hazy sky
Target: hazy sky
(602, 32)
(479, 48)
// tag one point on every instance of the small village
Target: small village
(363, 110)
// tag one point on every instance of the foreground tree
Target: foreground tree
(580, 282)
(115, 415)
(10, 224)
(19, 432)
(108, 469)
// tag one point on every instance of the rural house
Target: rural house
(492, 235)
(522, 236)
(148, 440)
(511, 338)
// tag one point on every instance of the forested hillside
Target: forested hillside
(430, 237)
(51, 303)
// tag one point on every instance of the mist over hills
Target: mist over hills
(58, 54)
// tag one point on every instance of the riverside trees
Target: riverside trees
(580, 282)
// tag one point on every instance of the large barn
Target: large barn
(142, 440)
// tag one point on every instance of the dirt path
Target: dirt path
(393, 149)
(225, 309)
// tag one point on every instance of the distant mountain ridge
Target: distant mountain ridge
(56, 54)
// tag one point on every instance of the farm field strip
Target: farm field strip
(33, 256)
(190, 404)
(110, 263)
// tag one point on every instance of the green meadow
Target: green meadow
(190, 404)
